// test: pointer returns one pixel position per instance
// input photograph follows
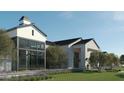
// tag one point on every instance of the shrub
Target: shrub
(103, 60)
(120, 74)
(56, 57)
(113, 70)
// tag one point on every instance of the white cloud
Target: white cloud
(118, 16)
(66, 14)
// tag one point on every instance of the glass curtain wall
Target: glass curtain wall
(31, 54)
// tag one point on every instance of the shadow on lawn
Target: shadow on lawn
(120, 74)
(87, 71)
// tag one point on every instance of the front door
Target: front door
(33, 60)
(76, 59)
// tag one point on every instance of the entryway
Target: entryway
(76, 57)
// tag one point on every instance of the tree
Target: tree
(56, 57)
(116, 61)
(122, 59)
(6, 44)
(113, 60)
(103, 60)
(94, 58)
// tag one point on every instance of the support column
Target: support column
(27, 59)
(82, 57)
(70, 58)
(45, 57)
(17, 54)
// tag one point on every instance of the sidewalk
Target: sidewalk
(4, 75)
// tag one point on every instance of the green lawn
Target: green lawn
(76, 76)
(87, 76)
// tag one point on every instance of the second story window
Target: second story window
(32, 32)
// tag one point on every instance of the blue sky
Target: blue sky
(107, 28)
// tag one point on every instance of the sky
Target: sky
(107, 28)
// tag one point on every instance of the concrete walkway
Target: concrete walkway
(5, 75)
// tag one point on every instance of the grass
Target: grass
(76, 76)
(73, 76)
(80, 76)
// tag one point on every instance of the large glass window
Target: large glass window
(22, 59)
(31, 59)
(22, 43)
(30, 44)
(40, 46)
(40, 59)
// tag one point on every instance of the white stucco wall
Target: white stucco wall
(90, 45)
(26, 32)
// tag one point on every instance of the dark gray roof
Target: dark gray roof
(84, 41)
(66, 42)
(50, 43)
(21, 26)
(69, 41)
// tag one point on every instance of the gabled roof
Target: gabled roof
(50, 43)
(84, 41)
(69, 41)
(66, 42)
(21, 26)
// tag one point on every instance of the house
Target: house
(78, 51)
(30, 46)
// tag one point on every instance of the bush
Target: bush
(120, 74)
(113, 70)
(101, 60)
(56, 57)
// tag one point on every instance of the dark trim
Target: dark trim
(96, 43)
(43, 50)
(39, 30)
(67, 41)
(20, 26)
(85, 41)
(30, 39)
(50, 43)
